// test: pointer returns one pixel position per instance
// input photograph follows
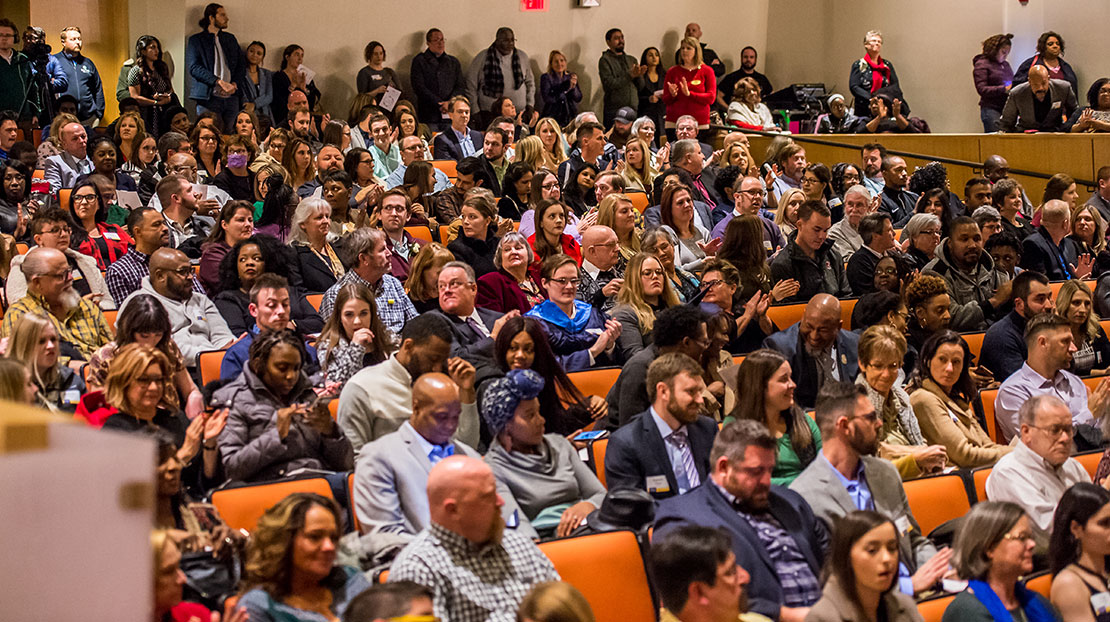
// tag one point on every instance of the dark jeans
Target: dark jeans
(990, 118)
(226, 107)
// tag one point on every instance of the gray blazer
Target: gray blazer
(822, 489)
(1018, 116)
(62, 170)
(391, 479)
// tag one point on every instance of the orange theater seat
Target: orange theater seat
(1041, 583)
(785, 316)
(932, 610)
(209, 363)
(1090, 460)
(979, 477)
(242, 507)
(640, 200)
(974, 343)
(924, 495)
(63, 197)
(846, 308)
(38, 174)
(449, 167)
(351, 494)
(420, 233)
(595, 381)
(315, 300)
(608, 569)
(111, 317)
(987, 398)
(597, 456)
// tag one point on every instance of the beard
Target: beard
(496, 529)
(69, 298)
(864, 447)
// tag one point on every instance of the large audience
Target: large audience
(400, 303)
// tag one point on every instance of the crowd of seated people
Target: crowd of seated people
(423, 329)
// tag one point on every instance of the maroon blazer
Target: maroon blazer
(498, 291)
(398, 265)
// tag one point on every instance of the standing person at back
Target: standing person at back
(82, 78)
(501, 70)
(436, 77)
(618, 73)
(215, 63)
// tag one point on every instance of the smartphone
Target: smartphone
(592, 435)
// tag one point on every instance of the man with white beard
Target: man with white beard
(80, 324)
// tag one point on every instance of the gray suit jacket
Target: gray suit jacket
(391, 479)
(1018, 115)
(62, 171)
(822, 489)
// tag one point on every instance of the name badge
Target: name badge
(767, 245)
(77, 276)
(902, 523)
(594, 331)
(112, 235)
(695, 82)
(1055, 105)
(658, 483)
(1100, 603)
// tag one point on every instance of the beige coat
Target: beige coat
(945, 421)
(835, 606)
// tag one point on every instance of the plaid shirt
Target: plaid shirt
(84, 326)
(800, 587)
(394, 306)
(125, 275)
(473, 583)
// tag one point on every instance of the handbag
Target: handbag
(210, 580)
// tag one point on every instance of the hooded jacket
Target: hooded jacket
(969, 293)
(823, 274)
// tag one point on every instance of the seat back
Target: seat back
(1090, 460)
(315, 300)
(63, 198)
(111, 316)
(351, 500)
(444, 234)
(449, 167)
(242, 507)
(785, 315)
(932, 610)
(1041, 584)
(988, 414)
(979, 479)
(595, 381)
(608, 568)
(640, 200)
(925, 496)
(846, 308)
(974, 343)
(209, 363)
(597, 456)
(420, 233)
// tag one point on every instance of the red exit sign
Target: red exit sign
(533, 5)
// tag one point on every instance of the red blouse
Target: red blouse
(570, 247)
(703, 92)
(111, 245)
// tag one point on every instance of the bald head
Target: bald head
(693, 29)
(462, 498)
(435, 408)
(823, 306)
(449, 478)
(41, 260)
(166, 259)
(1038, 80)
(820, 322)
(1055, 211)
(170, 274)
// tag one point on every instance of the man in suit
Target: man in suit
(738, 497)
(1050, 251)
(1042, 104)
(846, 476)
(458, 141)
(602, 273)
(216, 65)
(474, 329)
(665, 449)
(391, 473)
(686, 155)
(877, 234)
(818, 349)
(62, 170)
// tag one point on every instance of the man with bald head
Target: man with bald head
(412, 149)
(1050, 250)
(391, 472)
(602, 273)
(1041, 105)
(709, 57)
(477, 570)
(80, 324)
(818, 349)
(196, 323)
(62, 170)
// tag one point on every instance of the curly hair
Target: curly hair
(273, 260)
(270, 553)
(992, 44)
(838, 173)
(1042, 42)
(924, 287)
(932, 175)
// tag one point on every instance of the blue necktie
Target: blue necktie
(439, 452)
(681, 441)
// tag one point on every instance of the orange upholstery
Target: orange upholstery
(974, 343)
(597, 451)
(1092, 382)
(315, 300)
(979, 477)
(1090, 461)
(21, 248)
(1105, 324)
(640, 200)
(333, 408)
(591, 563)
(111, 317)
(988, 413)
(595, 381)
(209, 364)
(925, 493)
(785, 315)
(444, 234)
(63, 197)
(447, 166)
(420, 233)
(38, 174)
(242, 507)
(350, 487)
(1040, 584)
(846, 308)
(932, 610)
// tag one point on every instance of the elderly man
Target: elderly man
(1050, 250)
(501, 70)
(809, 257)
(62, 170)
(473, 329)
(602, 273)
(686, 128)
(391, 474)
(412, 150)
(665, 449)
(51, 228)
(1003, 351)
(878, 237)
(746, 194)
(378, 399)
(477, 570)
(458, 141)
(847, 476)
(977, 291)
(1041, 105)
(1050, 346)
(686, 156)
(709, 57)
(845, 233)
(818, 349)
(195, 321)
(366, 252)
(774, 531)
(80, 324)
(1039, 469)
(896, 199)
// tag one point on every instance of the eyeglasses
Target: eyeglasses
(549, 185)
(182, 271)
(755, 192)
(935, 232)
(565, 282)
(712, 284)
(84, 198)
(651, 273)
(605, 245)
(886, 271)
(1054, 431)
(182, 168)
(58, 231)
(61, 276)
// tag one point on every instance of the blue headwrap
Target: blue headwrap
(500, 400)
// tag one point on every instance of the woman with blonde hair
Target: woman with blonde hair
(34, 341)
(422, 285)
(16, 384)
(551, 135)
(1074, 302)
(560, 90)
(689, 87)
(786, 216)
(639, 171)
(1088, 230)
(554, 601)
(645, 292)
(291, 572)
(617, 213)
(530, 150)
(737, 154)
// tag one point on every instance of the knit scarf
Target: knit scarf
(493, 83)
(1034, 609)
(880, 72)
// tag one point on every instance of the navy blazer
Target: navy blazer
(447, 146)
(200, 58)
(1040, 254)
(468, 343)
(636, 452)
(804, 369)
(706, 506)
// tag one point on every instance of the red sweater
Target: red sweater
(703, 92)
(570, 247)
